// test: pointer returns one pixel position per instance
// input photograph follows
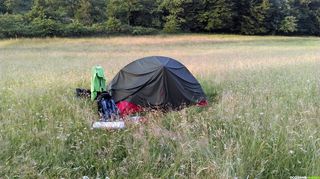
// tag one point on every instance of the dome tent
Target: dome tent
(156, 81)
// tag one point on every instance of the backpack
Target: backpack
(107, 108)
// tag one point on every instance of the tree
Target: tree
(72, 7)
(2, 7)
(116, 10)
(174, 20)
(84, 17)
(37, 10)
(11, 25)
(288, 24)
(135, 12)
(216, 15)
(278, 10)
(98, 11)
(172, 24)
(307, 14)
(113, 25)
(251, 16)
(145, 13)
(83, 14)
(15, 6)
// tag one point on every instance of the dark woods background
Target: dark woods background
(39, 18)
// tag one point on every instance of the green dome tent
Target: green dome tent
(156, 81)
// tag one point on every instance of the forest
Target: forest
(75, 18)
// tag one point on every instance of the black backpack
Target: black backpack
(107, 108)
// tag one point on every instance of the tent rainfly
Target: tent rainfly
(155, 81)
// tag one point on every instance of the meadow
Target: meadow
(262, 121)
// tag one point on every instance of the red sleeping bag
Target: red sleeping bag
(127, 108)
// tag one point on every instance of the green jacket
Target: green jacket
(98, 81)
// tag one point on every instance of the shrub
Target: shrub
(288, 24)
(113, 25)
(11, 25)
(43, 27)
(172, 25)
(126, 29)
(98, 29)
(138, 30)
(76, 29)
(19, 26)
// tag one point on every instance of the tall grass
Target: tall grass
(262, 120)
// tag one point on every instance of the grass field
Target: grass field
(263, 119)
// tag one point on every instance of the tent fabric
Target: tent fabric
(98, 81)
(156, 81)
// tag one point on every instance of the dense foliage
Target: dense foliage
(34, 18)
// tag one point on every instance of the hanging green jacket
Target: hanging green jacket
(98, 81)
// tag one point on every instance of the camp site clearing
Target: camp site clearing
(262, 118)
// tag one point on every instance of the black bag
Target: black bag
(107, 108)
(80, 92)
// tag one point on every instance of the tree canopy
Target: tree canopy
(40, 18)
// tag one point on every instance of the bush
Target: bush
(76, 29)
(288, 24)
(18, 26)
(172, 25)
(113, 25)
(43, 27)
(138, 30)
(98, 29)
(126, 29)
(12, 25)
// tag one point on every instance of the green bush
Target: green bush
(39, 27)
(288, 24)
(138, 30)
(19, 26)
(113, 25)
(172, 25)
(76, 29)
(98, 29)
(11, 25)
(126, 29)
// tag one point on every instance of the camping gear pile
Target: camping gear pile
(154, 82)
(106, 105)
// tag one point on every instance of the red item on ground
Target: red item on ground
(127, 108)
(202, 103)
